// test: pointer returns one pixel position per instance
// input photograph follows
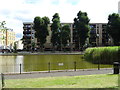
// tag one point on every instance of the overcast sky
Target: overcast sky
(15, 12)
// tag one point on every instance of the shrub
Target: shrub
(103, 55)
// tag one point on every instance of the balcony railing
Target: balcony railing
(26, 32)
(27, 37)
(26, 42)
(27, 27)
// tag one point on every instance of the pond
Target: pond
(27, 63)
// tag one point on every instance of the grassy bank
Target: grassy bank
(85, 81)
(104, 55)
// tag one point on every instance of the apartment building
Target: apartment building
(28, 35)
(7, 38)
(19, 45)
(119, 7)
(98, 35)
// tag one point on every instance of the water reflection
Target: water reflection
(18, 61)
(40, 63)
(7, 64)
(10, 63)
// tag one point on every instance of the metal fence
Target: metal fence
(48, 67)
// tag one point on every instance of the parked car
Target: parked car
(6, 50)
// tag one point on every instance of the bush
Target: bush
(103, 55)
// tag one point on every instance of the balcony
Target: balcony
(27, 42)
(92, 32)
(26, 37)
(27, 27)
(26, 32)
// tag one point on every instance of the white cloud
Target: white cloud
(98, 10)
(15, 12)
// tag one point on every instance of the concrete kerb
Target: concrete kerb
(55, 71)
(43, 53)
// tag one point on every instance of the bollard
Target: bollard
(116, 67)
(20, 68)
(2, 76)
(74, 66)
(49, 67)
(99, 65)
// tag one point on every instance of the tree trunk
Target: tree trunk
(79, 44)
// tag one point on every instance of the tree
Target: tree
(4, 30)
(81, 29)
(2, 25)
(113, 27)
(65, 35)
(33, 46)
(15, 47)
(56, 29)
(38, 22)
(44, 31)
(41, 28)
(45, 27)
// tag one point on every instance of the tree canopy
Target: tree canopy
(65, 34)
(2, 25)
(41, 28)
(113, 27)
(56, 29)
(81, 29)
(3, 29)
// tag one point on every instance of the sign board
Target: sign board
(60, 64)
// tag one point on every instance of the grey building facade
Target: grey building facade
(98, 36)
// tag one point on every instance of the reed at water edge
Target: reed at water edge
(103, 55)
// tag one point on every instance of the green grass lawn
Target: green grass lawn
(84, 81)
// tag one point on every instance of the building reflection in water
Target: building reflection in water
(10, 64)
(7, 64)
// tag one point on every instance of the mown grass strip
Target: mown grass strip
(85, 81)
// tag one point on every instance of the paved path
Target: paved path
(55, 74)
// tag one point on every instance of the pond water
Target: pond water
(44, 63)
